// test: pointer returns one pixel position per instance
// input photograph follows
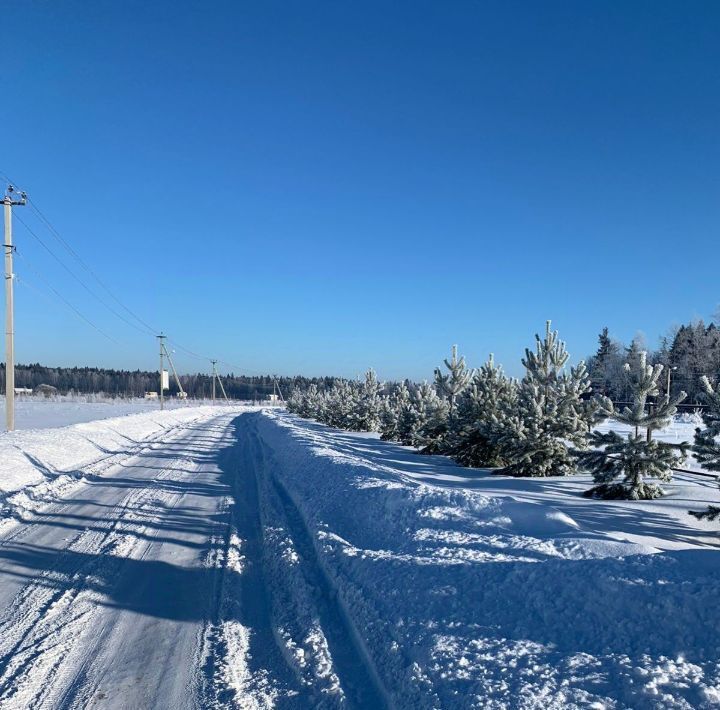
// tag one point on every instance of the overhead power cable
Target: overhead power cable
(25, 282)
(87, 268)
(139, 324)
(78, 279)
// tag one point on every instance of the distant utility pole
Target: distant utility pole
(214, 362)
(276, 385)
(219, 381)
(161, 340)
(164, 376)
(12, 198)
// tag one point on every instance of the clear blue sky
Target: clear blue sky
(316, 187)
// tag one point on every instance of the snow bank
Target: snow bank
(470, 600)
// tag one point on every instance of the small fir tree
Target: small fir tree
(552, 411)
(295, 402)
(432, 418)
(706, 447)
(340, 404)
(305, 402)
(482, 418)
(636, 457)
(366, 416)
(452, 383)
(410, 419)
(390, 413)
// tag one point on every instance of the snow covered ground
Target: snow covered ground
(472, 590)
(246, 558)
(46, 413)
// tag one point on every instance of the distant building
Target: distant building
(151, 395)
(23, 390)
(46, 390)
(272, 398)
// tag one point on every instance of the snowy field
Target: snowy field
(271, 561)
(47, 413)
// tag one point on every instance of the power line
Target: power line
(24, 281)
(84, 264)
(144, 328)
(81, 261)
(76, 277)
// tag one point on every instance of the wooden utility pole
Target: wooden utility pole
(216, 375)
(181, 391)
(10, 200)
(213, 380)
(161, 339)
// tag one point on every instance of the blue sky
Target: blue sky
(314, 188)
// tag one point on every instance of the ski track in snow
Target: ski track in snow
(247, 559)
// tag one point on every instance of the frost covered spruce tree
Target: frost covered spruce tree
(449, 386)
(366, 414)
(340, 404)
(432, 418)
(620, 464)
(706, 447)
(392, 405)
(306, 402)
(552, 412)
(410, 419)
(482, 417)
(452, 383)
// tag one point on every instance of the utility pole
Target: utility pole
(216, 376)
(10, 200)
(222, 388)
(214, 362)
(276, 385)
(181, 391)
(161, 340)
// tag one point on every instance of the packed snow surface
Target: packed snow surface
(210, 557)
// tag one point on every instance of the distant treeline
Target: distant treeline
(689, 352)
(134, 383)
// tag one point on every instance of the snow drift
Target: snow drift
(465, 599)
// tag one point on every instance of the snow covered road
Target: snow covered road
(104, 593)
(151, 585)
(251, 559)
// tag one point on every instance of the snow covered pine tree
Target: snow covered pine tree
(410, 419)
(482, 416)
(366, 416)
(635, 457)
(551, 412)
(449, 385)
(392, 405)
(433, 413)
(340, 404)
(706, 447)
(457, 378)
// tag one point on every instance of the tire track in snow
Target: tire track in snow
(244, 665)
(358, 677)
